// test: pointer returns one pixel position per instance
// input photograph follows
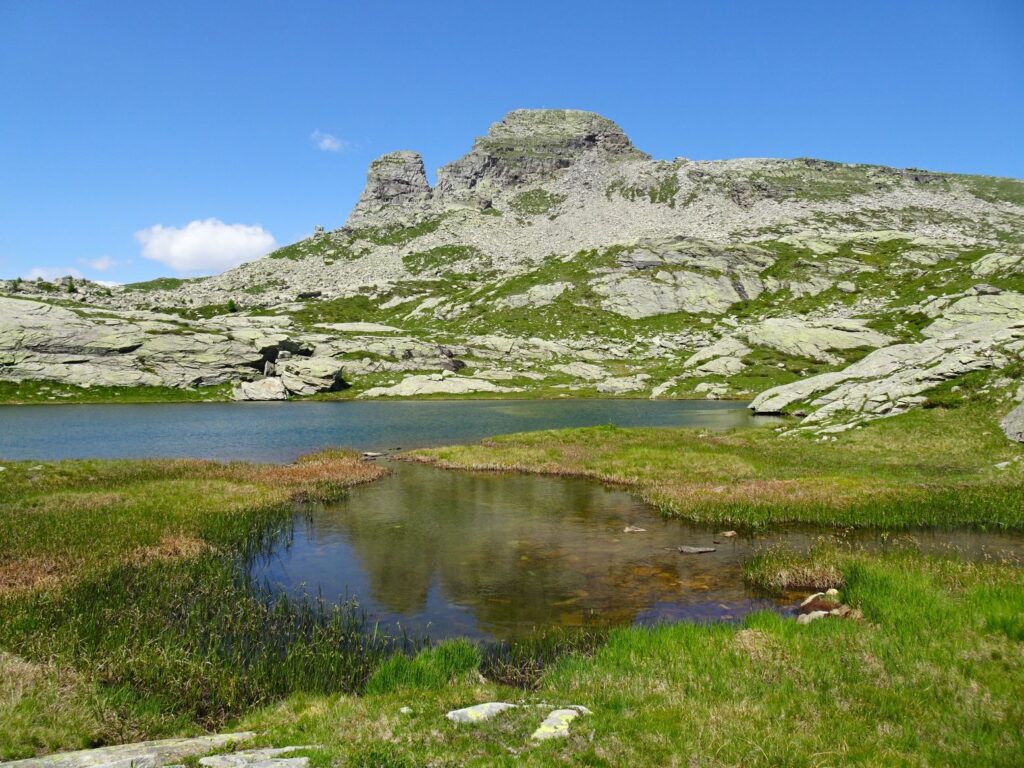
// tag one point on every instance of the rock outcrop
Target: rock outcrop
(1013, 424)
(815, 339)
(531, 146)
(895, 378)
(395, 183)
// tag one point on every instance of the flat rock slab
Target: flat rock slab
(695, 550)
(257, 758)
(143, 754)
(479, 712)
(555, 725)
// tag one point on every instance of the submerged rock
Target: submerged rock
(686, 550)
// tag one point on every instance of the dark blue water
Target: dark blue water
(282, 431)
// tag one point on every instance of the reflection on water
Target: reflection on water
(485, 555)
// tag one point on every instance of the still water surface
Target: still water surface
(282, 431)
(454, 553)
(496, 556)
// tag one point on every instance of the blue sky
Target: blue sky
(191, 132)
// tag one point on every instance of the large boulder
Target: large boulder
(1013, 424)
(270, 388)
(309, 375)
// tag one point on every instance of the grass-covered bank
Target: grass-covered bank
(124, 611)
(932, 676)
(935, 467)
(123, 614)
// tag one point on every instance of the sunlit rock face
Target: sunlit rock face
(556, 258)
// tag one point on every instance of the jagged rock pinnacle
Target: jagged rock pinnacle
(397, 179)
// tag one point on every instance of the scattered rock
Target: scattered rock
(555, 725)
(426, 385)
(728, 534)
(616, 386)
(634, 529)
(686, 550)
(479, 712)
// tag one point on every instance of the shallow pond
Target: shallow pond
(495, 556)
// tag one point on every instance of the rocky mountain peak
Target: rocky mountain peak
(395, 180)
(529, 146)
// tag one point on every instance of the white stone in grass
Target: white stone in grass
(257, 758)
(807, 618)
(833, 592)
(479, 712)
(556, 724)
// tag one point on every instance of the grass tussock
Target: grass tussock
(924, 468)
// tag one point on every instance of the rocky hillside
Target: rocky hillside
(555, 258)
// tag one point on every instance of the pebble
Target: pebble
(633, 529)
(728, 534)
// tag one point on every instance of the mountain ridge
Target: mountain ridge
(558, 241)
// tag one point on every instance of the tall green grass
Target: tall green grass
(195, 638)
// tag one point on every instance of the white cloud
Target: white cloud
(108, 283)
(204, 246)
(328, 142)
(102, 264)
(51, 273)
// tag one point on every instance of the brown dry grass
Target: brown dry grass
(32, 573)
